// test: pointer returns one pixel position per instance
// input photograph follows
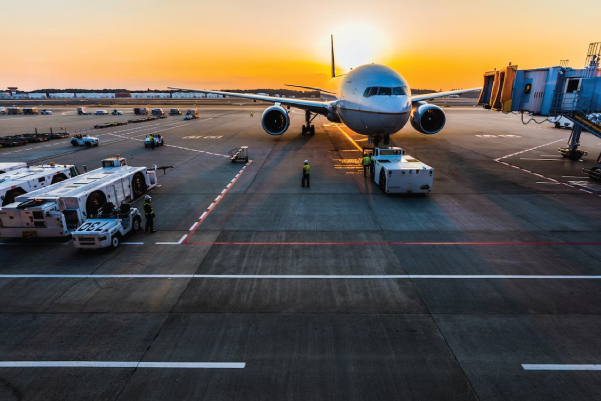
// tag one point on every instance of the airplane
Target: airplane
(372, 100)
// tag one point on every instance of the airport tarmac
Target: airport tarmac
(254, 288)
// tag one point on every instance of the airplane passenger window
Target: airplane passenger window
(366, 93)
(384, 91)
(399, 90)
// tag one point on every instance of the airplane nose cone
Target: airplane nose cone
(394, 104)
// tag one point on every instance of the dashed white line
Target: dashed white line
(193, 226)
(560, 367)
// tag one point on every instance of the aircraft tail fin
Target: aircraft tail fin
(333, 64)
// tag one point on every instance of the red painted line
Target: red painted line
(185, 241)
(398, 243)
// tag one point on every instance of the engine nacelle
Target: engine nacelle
(427, 118)
(275, 120)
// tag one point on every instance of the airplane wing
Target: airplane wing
(309, 87)
(311, 105)
(429, 96)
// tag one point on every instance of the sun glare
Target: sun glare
(358, 44)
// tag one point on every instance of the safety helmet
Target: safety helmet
(306, 161)
(147, 197)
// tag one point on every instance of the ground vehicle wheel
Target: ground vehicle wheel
(94, 202)
(557, 125)
(115, 240)
(88, 144)
(74, 143)
(11, 194)
(137, 223)
(382, 180)
(58, 178)
(138, 185)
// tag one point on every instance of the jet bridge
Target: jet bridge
(554, 91)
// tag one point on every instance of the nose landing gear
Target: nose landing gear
(308, 128)
(379, 138)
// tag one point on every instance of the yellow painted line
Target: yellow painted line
(349, 138)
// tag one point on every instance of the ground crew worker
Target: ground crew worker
(151, 141)
(149, 213)
(306, 174)
(366, 163)
(251, 113)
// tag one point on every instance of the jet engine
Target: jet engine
(275, 120)
(427, 118)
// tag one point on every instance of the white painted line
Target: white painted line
(228, 185)
(224, 191)
(211, 206)
(193, 226)
(116, 364)
(233, 179)
(219, 197)
(167, 243)
(560, 367)
(302, 276)
(202, 216)
(182, 238)
(132, 243)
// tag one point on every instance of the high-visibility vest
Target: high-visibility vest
(148, 210)
(366, 160)
(307, 169)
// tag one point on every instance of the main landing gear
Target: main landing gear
(376, 139)
(308, 128)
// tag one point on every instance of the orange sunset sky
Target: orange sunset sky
(227, 44)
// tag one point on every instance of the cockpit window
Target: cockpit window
(400, 90)
(385, 91)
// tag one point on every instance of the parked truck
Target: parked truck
(191, 114)
(57, 210)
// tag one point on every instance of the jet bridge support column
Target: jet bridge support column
(572, 152)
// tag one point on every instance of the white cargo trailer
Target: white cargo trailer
(6, 167)
(396, 172)
(32, 178)
(56, 210)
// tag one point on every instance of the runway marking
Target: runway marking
(312, 276)
(217, 200)
(118, 364)
(350, 139)
(132, 243)
(560, 367)
(193, 226)
(555, 160)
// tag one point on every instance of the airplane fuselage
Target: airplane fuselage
(371, 100)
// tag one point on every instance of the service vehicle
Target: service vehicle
(158, 141)
(117, 112)
(2, 110)
(396, 172)
(5, 167)
(191, 114)
(142, 111)
(84, 140)
(82, 111)
(108, 228)
(32, 178)
(102, 113)
(175, 112)
(60, 208)
(12, 140)
(158, 112)
(30, 110)
(46, 112)
(13, 110)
